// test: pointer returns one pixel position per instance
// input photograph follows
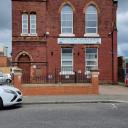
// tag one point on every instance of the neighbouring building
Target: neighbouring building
(3, 50)
(121, 71)
(122, 68)
(126, 65)
(4, 59)
(65, 38)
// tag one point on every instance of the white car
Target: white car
(5, 78)
(9, 96)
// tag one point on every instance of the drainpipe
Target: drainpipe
(112, 61)
(114, 29)
(112, 53)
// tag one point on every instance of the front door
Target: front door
(24, 64)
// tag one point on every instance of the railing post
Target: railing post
(75, 77)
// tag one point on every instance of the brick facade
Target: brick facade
(45, 52)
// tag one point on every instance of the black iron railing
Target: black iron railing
(57, 77)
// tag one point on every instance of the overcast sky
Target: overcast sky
(122, 22)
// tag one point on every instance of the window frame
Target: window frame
(88, 20)
(22, 33)
(92, 59)
(68, 60)
(62, 20)
(33, 24)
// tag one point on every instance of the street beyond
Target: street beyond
(80, 115)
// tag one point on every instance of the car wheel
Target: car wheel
(1, 103)
(8, 81)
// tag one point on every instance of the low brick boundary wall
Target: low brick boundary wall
(58, 89)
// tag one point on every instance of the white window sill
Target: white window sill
(91, 35)
(67, 35)
(33, 34)
(67, 73)
(87, 72)
(28, 34)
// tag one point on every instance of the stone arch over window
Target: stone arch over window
(23, 53)
(93, 4)
(33, 12)
(24, 12)
(66, 3)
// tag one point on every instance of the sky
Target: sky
(122, 25)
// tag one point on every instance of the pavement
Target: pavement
(107, 94)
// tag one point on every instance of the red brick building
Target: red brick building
(52, 38)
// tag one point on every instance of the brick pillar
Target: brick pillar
(17, 78)
(95, 80)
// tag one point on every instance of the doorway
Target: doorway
(25, 65)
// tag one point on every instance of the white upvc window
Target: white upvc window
(91, 59)
(91, 21)
(33, 24)
(66, 20)
(66, 61)
(24, 23)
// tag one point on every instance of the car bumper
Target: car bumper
(14, 100)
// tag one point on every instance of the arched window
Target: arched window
(91, 20)
(66, 20)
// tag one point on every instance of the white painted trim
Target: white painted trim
(31, 34)
(67, 73)
(28, 34)
(85, 40)
(67, 35)
(23, 34)
(91, 35)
